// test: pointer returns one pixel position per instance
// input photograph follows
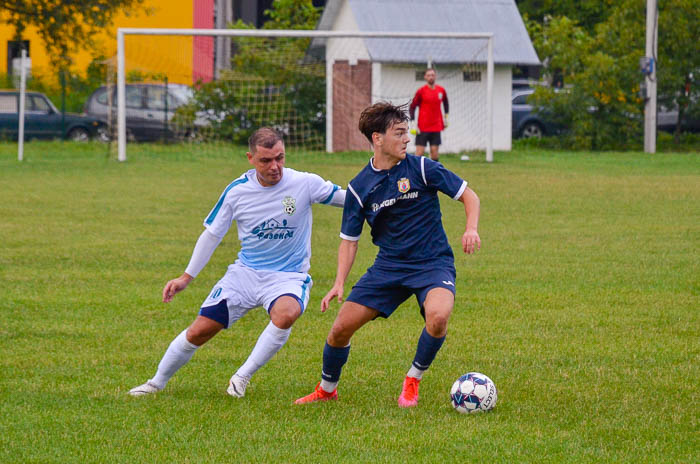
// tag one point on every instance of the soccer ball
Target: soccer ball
(473, 392)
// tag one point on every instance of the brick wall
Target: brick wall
(352, 93)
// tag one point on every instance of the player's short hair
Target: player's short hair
(429, 69)
(265, 137)
(380, 117)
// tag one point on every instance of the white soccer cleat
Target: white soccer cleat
(237, 386)
(145, 389)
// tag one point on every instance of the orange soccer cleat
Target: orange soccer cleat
(409, 394)
(319, 394)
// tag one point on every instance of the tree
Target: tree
(586, 13)
(271, 83)
(63, 25)
(600, 69)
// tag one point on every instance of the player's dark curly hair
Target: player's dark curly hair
(380, 117)
(265, 137)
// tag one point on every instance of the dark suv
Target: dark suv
(149, 108)
(529, 121)
(43, 121)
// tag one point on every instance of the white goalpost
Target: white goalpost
(353, 79)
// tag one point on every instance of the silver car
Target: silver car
(149, 109)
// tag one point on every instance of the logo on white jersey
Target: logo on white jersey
(404, 185)
(448, 282)
(289, 204)
(272, 229)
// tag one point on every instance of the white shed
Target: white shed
(363, 71)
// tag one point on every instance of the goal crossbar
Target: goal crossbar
(121, 72)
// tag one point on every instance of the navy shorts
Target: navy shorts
(384, 290)
(424, 138)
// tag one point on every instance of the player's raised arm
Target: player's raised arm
(346, 257)
(470, 239)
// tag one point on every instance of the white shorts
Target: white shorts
(243, 288)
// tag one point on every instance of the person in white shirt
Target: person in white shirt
(271, 205)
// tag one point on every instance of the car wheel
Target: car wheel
(530, 130)
(193, 136)
(78, 134)
(103, 134)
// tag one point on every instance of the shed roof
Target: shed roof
(511, 45)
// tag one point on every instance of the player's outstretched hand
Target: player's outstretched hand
(335, 292)
(471, 242)
(175, 286)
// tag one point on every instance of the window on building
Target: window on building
(471, 76)
(14, 50)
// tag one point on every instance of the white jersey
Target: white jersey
(274, 223)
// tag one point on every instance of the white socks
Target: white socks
(270, 341)
(328, 387)
(415, 372)
(178, 353)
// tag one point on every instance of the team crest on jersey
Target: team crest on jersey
(440, 95)
(289, 204)
(404, 185)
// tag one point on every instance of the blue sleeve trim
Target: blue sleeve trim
(216, 209)
(330, 197)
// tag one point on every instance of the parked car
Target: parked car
(43, 121)
(149, 109)
(667, 120)
(527, 121)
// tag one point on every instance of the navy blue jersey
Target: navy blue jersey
(402, 209)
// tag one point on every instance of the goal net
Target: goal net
(209, 89)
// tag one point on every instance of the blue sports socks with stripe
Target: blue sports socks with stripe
(333, 361)
(428, 347)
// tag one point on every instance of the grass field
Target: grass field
(582, 306)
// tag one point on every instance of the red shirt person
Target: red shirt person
(430, 121)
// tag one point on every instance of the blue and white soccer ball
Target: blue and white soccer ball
(473, 392)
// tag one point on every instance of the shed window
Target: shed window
(471, 76)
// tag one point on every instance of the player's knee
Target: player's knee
(284, 315)
(436, 324)
(284, 319)
(202, 330)
(340, 334)
(198, 336)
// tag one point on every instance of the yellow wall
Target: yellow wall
(169, 55)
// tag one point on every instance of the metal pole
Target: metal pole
(165, 116)
(489, 103)
(303, 33)
(121, 98)
(650, 105)
(63, 104)
(22, 97)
